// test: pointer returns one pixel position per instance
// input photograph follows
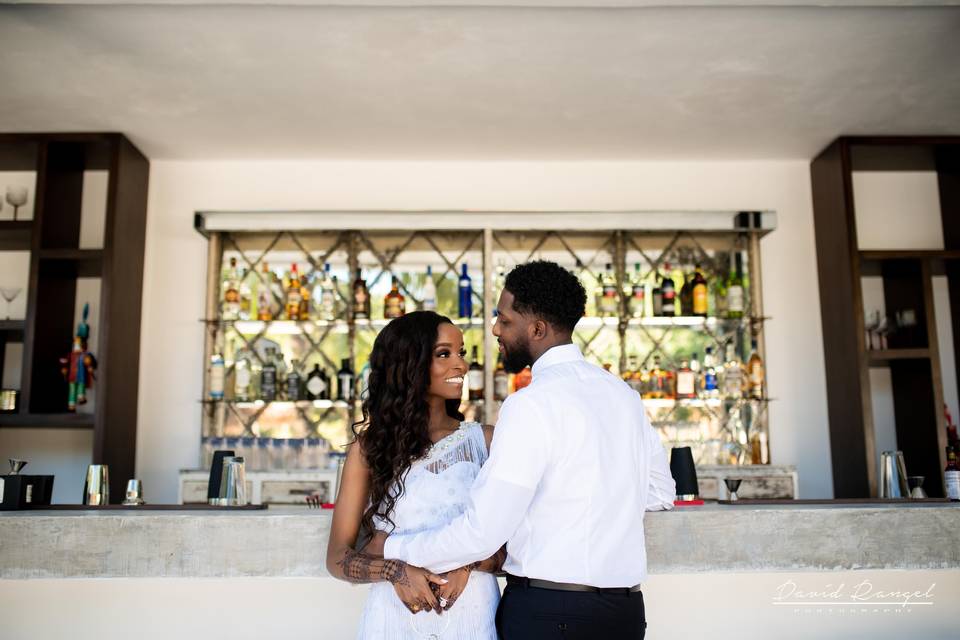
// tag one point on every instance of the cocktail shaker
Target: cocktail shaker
(96, 489)
(893, 475)
(233, 483)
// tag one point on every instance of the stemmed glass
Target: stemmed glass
(9, 294)
(17, 197)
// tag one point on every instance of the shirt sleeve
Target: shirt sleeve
(498, 501)
(662, 490)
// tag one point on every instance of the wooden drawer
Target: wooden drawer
(195, 491)
(294, 491)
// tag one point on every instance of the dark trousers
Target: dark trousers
(529, 613)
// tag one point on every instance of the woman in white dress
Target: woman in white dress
(410, 469)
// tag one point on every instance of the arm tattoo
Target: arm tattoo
(362, 568)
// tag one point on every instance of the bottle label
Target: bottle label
(710, 381)
(242, 380)
(429, 304)
(316, 386)
(700, 299)
(475, 380)
(501, 387)
(392, 308)
(952, 480)
(685, 383)
(735, 299)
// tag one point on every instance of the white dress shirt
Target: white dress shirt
(573, 465)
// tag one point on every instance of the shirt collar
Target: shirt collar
(557, 355)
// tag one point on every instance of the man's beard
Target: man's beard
(516, 357)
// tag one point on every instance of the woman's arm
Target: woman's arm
(344, 562)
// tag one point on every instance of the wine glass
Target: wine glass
(17, 197)
(9, 294)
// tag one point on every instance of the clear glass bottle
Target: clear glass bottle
(609, 300)
(265, 300)
(246, 296)
(345, 381)
(268, 376)
(294, 295)
(735, 297)
(294, 383)
(230, 308)
(686, 381)
(733, 374)
(638, 291)
(755, 372)
(429, 291)
(242, 389)
(216, 375)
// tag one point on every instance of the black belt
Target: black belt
(522, 581)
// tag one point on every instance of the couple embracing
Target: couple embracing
(553, 497)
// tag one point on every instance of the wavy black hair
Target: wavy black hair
(394, 429)
(548, 291)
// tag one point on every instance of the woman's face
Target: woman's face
(448, 365)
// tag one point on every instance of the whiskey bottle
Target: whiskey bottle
(246, 296)
(686, 381)
(501, 382)
(735, 299)
(361, 298)
(230, 309)
(609, 300)
(475, 377)
(668, 292)
(951, 475)
(394, 304)
(294, 295)
(265, 295)
(429, 292)
(755, 374)
(465, 289)
(345, 381)
(699, 293)
(318, 384)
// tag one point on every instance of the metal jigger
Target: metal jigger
(16, 465)
(732, 485)
(134, 495)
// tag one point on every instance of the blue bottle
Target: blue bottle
(466, 294)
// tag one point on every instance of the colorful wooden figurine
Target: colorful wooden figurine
(78, 368)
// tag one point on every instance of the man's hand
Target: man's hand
(448, 593)
(375, 546)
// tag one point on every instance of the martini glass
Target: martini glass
(9, 294)
(16, 197)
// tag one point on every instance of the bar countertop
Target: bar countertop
(291, 542)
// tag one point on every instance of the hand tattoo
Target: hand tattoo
(362, 568)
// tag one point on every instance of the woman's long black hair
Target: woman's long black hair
(394, 429)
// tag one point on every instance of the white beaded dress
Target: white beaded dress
(436, 491)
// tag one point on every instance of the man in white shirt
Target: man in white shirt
(574, 463)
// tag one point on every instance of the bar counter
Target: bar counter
(291, 542)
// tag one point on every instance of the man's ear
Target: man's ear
(538, 330)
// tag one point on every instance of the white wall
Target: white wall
(725, 606)
(172, 338)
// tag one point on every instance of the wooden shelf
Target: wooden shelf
(12, 326)
(83, 263)
(15, 235)
(47, 420)
(885, 356)
(897, 254)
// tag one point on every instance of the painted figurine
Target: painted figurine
(78, 368)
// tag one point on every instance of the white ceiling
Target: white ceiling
(481, 83)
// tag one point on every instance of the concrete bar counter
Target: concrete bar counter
(727, 571)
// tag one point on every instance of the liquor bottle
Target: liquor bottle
(501, 382)
(658, 381)
(264, 295)
(735, 300)
(522, 379)
(709, 379)
(656, 295)
(361, 298)
(278, 296)
(686, 381)
(325, 296)
(305, 304)
(294, 295)
(345, 381)
(668, 292)
(394, 304)
(318, 384)
(465, 286)
(230, 309)
(951, 474)
(952, 438)
(638, 291)
(217, 370)
(294, 382)
(242, 391)
(475, 376)
(733, 377)
(429, 292)
(699, 293)
(246, 296)
(268, 376)
(685, 298)
(609, 301)
(628, 373)
(755, 372)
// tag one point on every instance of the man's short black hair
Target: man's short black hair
(548, 291)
